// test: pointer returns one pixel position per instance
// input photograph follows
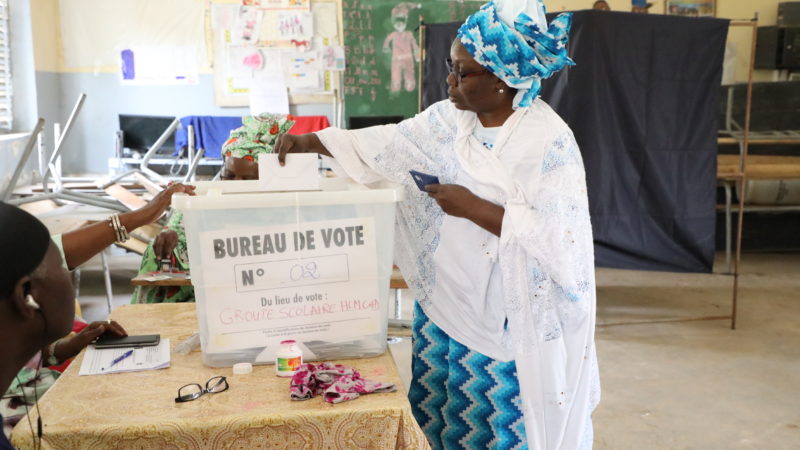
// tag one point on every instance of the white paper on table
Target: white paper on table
(268, 91)
(301, 172)
(97, 361)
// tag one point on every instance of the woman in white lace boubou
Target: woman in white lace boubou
(470, 88)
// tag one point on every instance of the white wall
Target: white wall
(63, 74)
(88, 149)
(92, 141)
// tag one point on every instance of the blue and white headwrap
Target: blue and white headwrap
(520, 56)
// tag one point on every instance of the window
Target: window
(6, 91)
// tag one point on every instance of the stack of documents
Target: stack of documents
(99, 361)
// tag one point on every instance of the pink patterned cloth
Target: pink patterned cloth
(335, 382)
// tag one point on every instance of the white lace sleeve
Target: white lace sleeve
(344, 146)
(554, 228)
(423, 143)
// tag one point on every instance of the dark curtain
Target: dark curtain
(643, 104)
(438, 38)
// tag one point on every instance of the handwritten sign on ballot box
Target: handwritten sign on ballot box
(311, 281)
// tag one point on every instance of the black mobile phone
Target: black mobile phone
(423, 179)
(144, 340)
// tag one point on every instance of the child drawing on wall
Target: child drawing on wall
(404, 48)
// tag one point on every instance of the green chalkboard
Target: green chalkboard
(381, 41)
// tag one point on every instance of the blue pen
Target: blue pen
(120, 358)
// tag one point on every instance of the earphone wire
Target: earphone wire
(39, 427)
(39, 430)
(27, 409)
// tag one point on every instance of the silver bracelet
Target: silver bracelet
(119, 229)
(51, 349)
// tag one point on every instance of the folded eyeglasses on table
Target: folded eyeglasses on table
(194, 391)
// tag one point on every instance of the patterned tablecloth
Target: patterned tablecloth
(138, 409)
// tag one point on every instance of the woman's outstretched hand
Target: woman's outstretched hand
(304, 143)
(156, 207)
(82, 244)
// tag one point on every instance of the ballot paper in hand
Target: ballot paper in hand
(301, 172)
(98, 361)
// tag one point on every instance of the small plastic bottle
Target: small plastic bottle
(288, 358)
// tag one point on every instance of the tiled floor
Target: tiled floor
(692, 384)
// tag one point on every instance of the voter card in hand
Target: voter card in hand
(423, 179)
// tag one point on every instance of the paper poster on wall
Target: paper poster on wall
(223, 16)
(158, 65)
(333, 58)
(279, 4)
(240, 63)
(247, 26)
(303, 70)
(294, 27)
(309, 281)
(324, 27)
(287, 29)
(268, 91)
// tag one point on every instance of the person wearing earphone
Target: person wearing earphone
(32, 381)
(37, 301)
(28, 264)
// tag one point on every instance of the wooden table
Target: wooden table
(397, 281)
(158, 279)
(138, 410)
(162, 279)
(759, 167)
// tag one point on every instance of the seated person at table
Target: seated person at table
(37, 301)
(32, 381)
(257, 135)
(74, 248)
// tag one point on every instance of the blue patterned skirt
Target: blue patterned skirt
(462, 398)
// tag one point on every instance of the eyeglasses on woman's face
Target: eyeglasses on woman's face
(194, 391)
(461, 75)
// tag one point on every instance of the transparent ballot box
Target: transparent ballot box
(309, 266)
